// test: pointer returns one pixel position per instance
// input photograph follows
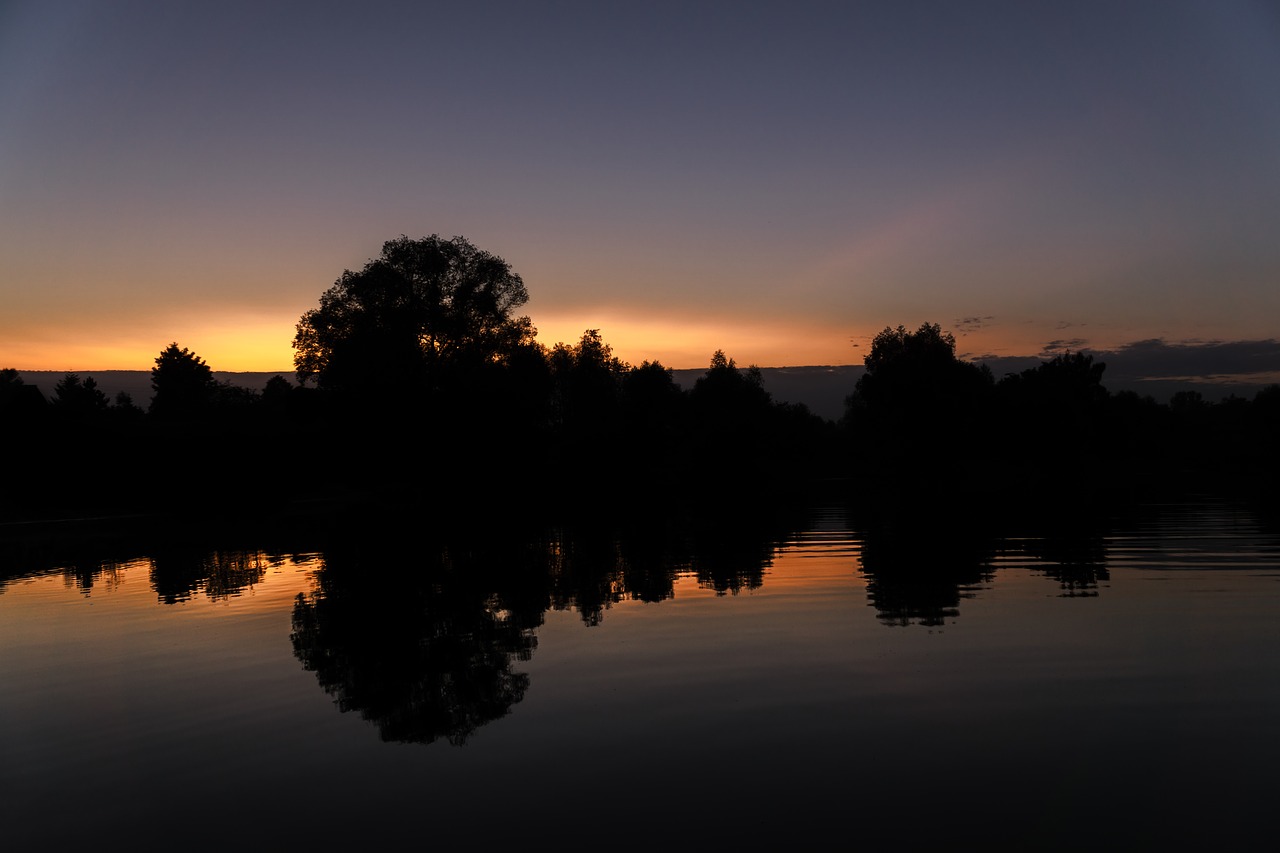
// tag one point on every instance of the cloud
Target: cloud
(971, 324)
(1215, 368)
(1207, 360)
(1062, 345)
(1161, 368)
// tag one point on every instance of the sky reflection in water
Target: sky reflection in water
(1110, 688)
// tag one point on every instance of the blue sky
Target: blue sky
(777, 180)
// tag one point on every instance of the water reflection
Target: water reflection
(421, 640)
(177, 573)
(441, 637)
(921, 576)
(423, 635)
(180, 564)
(594, 565)
(1077, 561)
(82, 564)
(420, 636)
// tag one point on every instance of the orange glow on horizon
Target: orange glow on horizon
(690, 344)
(263, 343)
(236, 343)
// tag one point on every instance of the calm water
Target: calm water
(1118, 688)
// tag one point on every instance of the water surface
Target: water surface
(1113, 687)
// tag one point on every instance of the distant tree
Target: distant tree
(18, 400)
(276, 394)
(1135, 428)
(9, 378)
(726, 397)
(11, 387)
(78, 397)
(1264, 426)
(124, 407)
(421, 315)
(1065, 392)
(1050, 416)
(182, 383)
(1188, 403)
(652, 401)
(587, 380)
(277, 386)
(917, 372)
(723, 372)
(729, 413)
(234, 397)
(918, 405)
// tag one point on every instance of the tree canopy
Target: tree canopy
(423, 312)
(79, 397)
(183, 383)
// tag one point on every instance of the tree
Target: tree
(10, 378)
(18, 400)
(918, 405)
(724, 387)
(79, 398)
(587, 380)
(652, 401)
(916, 371)
(421, 315)
(182, 382)
(124, 407)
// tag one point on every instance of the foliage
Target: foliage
(9, 378)
(652, 401)
(78, 397)
(918, 407)
(182, 383)
(424, 313)
(918, 372)
(587, 380)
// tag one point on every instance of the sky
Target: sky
(777, 180)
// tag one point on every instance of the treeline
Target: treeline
(419, 384)
(573, 421)
(922, 419)
(570, 421)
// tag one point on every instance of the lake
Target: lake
(732, 682)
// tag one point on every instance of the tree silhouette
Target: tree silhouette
(918, 406)
(9, 380)
(183, 383)
(729, 411)
(653, 409)
(79, 398)
(917, 374)
(423, 314)
(586, 383)
(1049, 416)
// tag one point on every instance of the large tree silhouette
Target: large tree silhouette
(918, 407)
(183, 383)
(423, 314)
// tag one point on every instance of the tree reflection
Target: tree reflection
(587, 572)
(177, 573)
(920, 575)
(178, 568)
(1078, 562)
(421, 640)
(421, 636)
(732, 551)
(595, 563)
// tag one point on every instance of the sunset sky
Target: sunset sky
(780, 181)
